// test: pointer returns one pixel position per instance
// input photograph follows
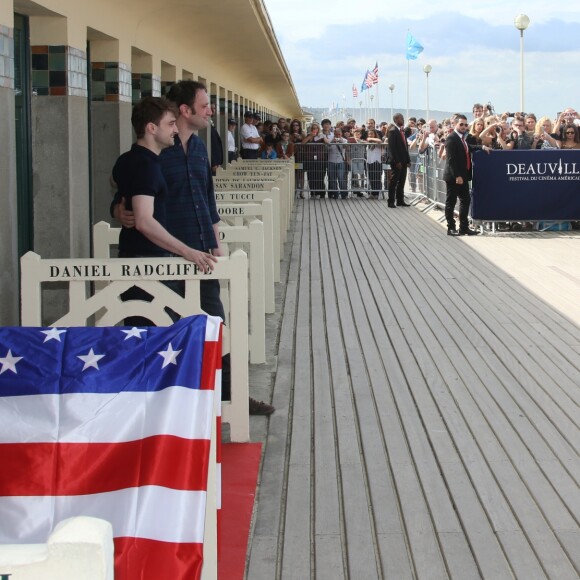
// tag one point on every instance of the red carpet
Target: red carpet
(240, 463)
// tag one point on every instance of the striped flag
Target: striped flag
(354, 91)
(373, 76)
(113, 423)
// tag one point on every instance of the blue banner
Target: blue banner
(526, 185)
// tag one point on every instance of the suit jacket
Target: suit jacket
(398, 150)
(217, 148)
(456, 160)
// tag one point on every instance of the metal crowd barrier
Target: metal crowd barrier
(341, 170)
(434, 186)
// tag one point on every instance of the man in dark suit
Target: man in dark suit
(399, 160)
(217, 148)
(457, 176)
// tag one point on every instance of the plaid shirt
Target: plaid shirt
(190, 204)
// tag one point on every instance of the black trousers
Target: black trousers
(455, 192)
(316, 171)
(210, 302)
(250, 153)
(397, 183)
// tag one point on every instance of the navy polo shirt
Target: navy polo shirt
(138, 172)
(190, 204)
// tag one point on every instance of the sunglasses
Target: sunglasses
(462, 125)
(570, 133)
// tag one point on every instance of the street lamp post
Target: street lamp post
(521, 22)
(392, 89)
(427, 69)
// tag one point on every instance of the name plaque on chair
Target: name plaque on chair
(166, 268)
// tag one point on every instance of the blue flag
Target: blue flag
(413, 47)
(364, 85)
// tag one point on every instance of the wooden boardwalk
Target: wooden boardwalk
(427, 392)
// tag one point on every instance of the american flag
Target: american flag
(373, 76)
(369, 79)
(113, 423)
(354, 91)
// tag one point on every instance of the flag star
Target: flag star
(136, 332)
(169, 356)
(52, 334)
(91, 359)
(9, 362)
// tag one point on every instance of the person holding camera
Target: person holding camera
(315, 155)
(337, 186)
(519, 138)
(566, 117)
(547, 138)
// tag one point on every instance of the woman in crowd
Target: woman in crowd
(571, 138)
(285, 147)
(448, 128)
(275, 132)
(374, 163)
(296, 138)
(547, 138)
(489, 134)
(315, 160)
(530, 122)
(265, 131)
(357, 162)
(476, 129)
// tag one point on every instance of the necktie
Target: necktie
(403, 135)
(467, 156)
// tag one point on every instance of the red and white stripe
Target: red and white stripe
(136, 459)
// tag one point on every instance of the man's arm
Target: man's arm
(145, 223)
(219, 250)
(124, 216)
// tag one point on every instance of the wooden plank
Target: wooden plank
(358, 523)
(297, 525)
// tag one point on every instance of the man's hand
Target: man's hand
(459, 180)
(217, 252)
(126, 217)
(205, 262)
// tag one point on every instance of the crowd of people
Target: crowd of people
(348, 159)
(367, 160)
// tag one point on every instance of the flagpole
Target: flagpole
(366, 115)
(408, 86)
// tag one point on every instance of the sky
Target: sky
(473, 48)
